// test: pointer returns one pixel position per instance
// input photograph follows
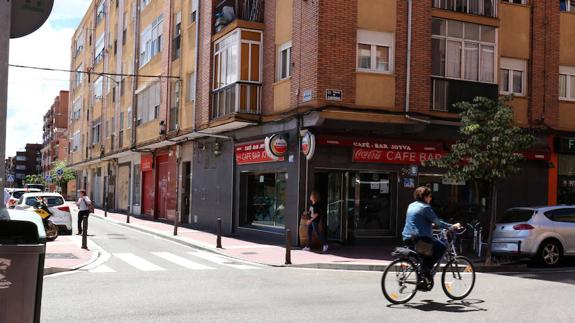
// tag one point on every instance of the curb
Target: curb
(56, 270)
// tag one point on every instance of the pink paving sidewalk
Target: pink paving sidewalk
(337, 257)
(65, 253)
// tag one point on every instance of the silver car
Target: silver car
(543, 233)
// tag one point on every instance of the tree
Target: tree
(34, 179)
(489, 149)
(68, 174)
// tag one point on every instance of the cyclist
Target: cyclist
(418, 227)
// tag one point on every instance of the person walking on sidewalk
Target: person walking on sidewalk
(83, 204)
(316, 213)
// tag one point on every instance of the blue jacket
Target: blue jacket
(419, 220)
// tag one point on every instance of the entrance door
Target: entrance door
(374, 205)
(162, 184)
(186, 193)
(332, 189)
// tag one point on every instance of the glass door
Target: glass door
(336, 202)
(374, 216)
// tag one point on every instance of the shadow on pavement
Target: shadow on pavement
(427, 305)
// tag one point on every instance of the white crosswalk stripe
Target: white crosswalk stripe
(138, 262)
(181, 261)
(220, 260)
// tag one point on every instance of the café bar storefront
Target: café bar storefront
(365, 185)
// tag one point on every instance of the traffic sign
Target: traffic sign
(10, 179)
(28, 16)
(60, 172)
(48, 178)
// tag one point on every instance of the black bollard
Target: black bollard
(288, 247)
(84, 232)
(219, 240)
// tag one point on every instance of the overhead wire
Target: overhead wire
(93, 72)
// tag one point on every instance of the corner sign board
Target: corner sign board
(28, 16)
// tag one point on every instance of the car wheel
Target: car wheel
(550, 253)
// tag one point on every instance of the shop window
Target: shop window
(265, 200)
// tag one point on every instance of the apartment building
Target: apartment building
(27, 162)
(198, 110)
(54, 138)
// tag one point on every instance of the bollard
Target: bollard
(219, 240)
(288, 247)
(128, 218)
(85, 232)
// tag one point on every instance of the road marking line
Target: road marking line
(138, 262)
(181, 261)
(220, 260)
(102, 269)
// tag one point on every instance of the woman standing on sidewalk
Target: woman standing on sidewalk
(83, 204)
(316, 213)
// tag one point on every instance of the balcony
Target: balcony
(447, 92)
(487, 8)
(227, 11)
(236, 98)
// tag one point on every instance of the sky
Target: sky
(32, 92)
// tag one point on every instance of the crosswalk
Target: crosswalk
(160, 261)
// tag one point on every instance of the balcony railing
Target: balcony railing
(229, 10)
(240, 97)
(447, 92)
(475, 7)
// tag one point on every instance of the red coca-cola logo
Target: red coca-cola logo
(367, 154)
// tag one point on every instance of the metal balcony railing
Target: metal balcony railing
(239, 97)
(486, 8)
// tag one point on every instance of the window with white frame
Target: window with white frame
(151, 40)
(79, 43)
(226, 61)
(77, 108)
(100, 12)
(98, 88)
(567, 5)
(375, 51)
(566, 83)
(284, 61)
(79, 76)
(149, 103)
(463, 50)
(191, 95)
(96, 128)
(512, 76)
(474, 7)
(193, 10)
(99, 49)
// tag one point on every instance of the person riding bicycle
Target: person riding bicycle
(418, 227)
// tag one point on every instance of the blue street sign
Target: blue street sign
(60, 172)
(10, 179)
(48, 178)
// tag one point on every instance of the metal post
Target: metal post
(219, 239)
(5, 14)
(178, 183)
(288, 247)
(84, 232)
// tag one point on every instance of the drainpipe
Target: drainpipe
(196, 52)
(135, 71)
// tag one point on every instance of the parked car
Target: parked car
(38, 186)
(16, 193)
(546, 234)
(62, 217)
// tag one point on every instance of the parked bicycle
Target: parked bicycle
(404, 277)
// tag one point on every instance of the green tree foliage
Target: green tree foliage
(61, 181)
(488, 149)
(34, 179)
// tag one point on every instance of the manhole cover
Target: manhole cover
(61, 256)
(249, 253)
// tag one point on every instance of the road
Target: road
(143, 278)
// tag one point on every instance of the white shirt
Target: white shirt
(83, 203)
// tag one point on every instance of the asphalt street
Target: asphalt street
(143, 278)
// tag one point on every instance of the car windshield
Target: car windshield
(516, 215)
(50, 200)
(17, 194)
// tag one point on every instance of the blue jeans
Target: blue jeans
(314, 226)
(438, 251)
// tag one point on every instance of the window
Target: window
(149, 103)
(516, 1)
(177, 37)
(98, 88)
(566, 83)
(79, 76)
(129, 124)
(265, 199)
(100, 12)
(191, 87)
(151, 41)
(124, 28)
(99, 50)
(96, 128)
(463, 50)
(512, 76)
(76, 141)
(79, 43)
(144, 4)
(194, 10)
(226, 61)
(561, 215)
(474, 7)
(374, 51)
(76, 108)
(567, 5)
(284, 61)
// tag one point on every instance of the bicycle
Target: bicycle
(403, 277)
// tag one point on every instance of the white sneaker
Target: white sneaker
(306, 249)
(325, 247)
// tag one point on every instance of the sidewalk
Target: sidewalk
(368, 258)
(66, 253)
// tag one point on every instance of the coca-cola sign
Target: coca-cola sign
(368, 155)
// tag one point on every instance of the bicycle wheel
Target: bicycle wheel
(458, 278)
(399, 281)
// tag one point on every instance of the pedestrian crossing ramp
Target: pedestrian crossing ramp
(166, 261)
